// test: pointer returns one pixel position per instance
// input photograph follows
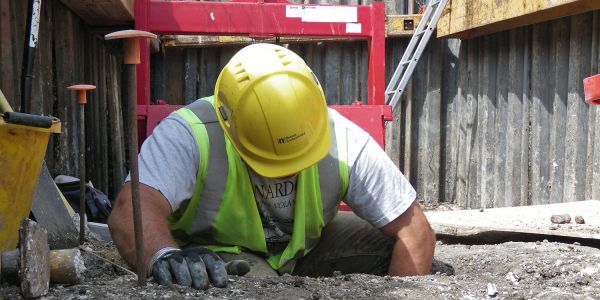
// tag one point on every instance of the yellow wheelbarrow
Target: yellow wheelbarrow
(23, 141)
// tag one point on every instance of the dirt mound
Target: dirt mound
(514, 270)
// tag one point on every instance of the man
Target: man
(257, 173)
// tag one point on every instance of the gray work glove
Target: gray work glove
(194, 267)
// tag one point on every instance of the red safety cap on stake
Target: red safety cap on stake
(81, 91)
(591, 89)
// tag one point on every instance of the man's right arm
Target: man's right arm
(155, 210)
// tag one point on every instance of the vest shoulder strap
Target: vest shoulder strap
(213, 160)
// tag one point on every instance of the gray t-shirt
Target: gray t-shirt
(377, 190)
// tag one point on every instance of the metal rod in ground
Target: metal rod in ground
(81, 174)
(133, 167)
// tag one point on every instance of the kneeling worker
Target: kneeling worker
(257, 173)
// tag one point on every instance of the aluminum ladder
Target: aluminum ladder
(413, 52)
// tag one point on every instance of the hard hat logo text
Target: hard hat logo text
(289, 138)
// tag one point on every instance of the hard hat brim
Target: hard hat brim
(283, 168)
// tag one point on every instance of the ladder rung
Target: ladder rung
(435, 2)
(406, 62)
(393, 92)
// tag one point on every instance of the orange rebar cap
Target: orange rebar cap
(81, 91)
(591, 89)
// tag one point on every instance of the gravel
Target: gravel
(514, 270)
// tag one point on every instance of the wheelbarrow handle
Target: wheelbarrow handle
(28, 119)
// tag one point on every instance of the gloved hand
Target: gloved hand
(194, 267)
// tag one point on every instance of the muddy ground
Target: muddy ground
(519, 270)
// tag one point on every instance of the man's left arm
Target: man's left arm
(414, 243)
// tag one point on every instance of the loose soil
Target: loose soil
(519, 270)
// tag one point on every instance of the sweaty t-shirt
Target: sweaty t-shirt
(377, 190)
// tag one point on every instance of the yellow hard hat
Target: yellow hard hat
(272, 108)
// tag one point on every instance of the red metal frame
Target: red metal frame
(262, 18)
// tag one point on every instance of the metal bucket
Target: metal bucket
(22, 150)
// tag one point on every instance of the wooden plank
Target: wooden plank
(540, 116)
(105, 12)
(115, 115)
(464, 126)
(158, 76)
(190, 75)
(559, 52)
(395, 25)
(103, 114)
(526, 129)
(64, 62)
(433, 124)
(347, 69)
(473, 135)
(515, 120)
(201, 41)
(363, 73)
(450, 119)
(8, 79)
(594, 168)
(407, 138)
(486, 115)
(425, 161)
(358, 84)
(529, 219)
(418, 136)
(471, 18)
(577, 110)
(592, 113)
(331, 83)
(209, 70)
(501, 138)
(393, 139)
(174, 80)
(44, 79)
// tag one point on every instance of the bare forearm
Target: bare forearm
(412, 258)
(154, 213)
(415, 243)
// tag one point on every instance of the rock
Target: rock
(492, 290)
(561, 219)
(553, 227)
(337, 273)
(510, 276)
(579, 220)
(577, 243)
(35, 259)
(298, 282)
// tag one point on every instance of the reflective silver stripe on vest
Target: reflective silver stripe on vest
(329, 179)
(214, 185)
